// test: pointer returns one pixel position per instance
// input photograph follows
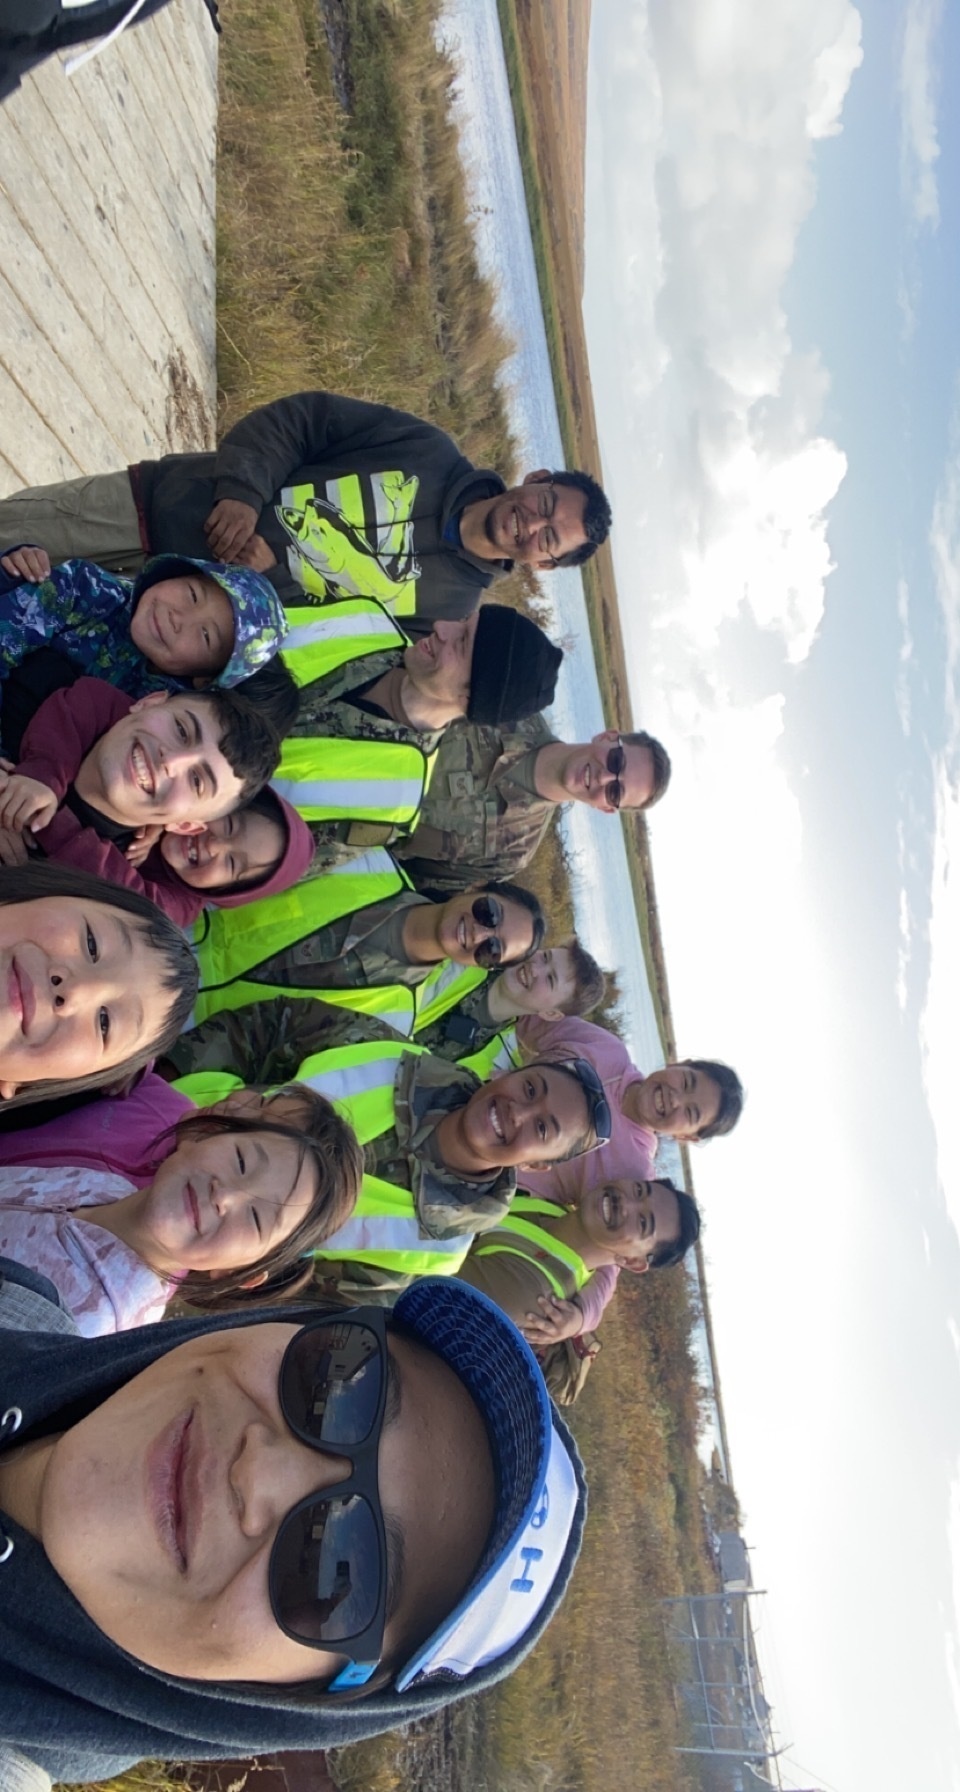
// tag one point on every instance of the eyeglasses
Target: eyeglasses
(597, 1102)
(546, 505)
(488, 912)
(616, 765)
(328, 1565)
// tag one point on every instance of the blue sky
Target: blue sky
(772, 308)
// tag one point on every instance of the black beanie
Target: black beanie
(515, 667)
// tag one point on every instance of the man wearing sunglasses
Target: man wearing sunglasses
(364, 939)
(495, 790)
(441, 1147)
(308, 1530)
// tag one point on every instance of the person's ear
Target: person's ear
(610, 734)
(542, 475)
(7, 1091)
(185, 827)
(150, 701)
(549, 1014)
(256, 1281)
(631, 1264)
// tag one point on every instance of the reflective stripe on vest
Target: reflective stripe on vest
(384, 1230)
(329, 778)
(321, 640)
(446, 985)
(518, 1235)
(359, 1080)
(230, 943)
(501, 1053)
(333, 778)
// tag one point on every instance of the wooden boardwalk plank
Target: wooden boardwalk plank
(107, 287)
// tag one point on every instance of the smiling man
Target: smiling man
(332, 497)
(93, 759)
(441, 1148)
(495, 791)
(374, 705)
(167, 1498)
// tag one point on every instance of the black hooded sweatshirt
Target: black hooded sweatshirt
(71, 1700)
(372, 492)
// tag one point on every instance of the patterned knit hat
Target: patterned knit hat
(259, 620)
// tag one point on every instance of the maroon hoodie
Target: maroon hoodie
(54, 746)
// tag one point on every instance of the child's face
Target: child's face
(162, 766)
(223, 1201)
(184, 627)
(80, 989)
(242, 848)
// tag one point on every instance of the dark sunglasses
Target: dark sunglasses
(616, 765)
(488, 912)
(597, 1102)
(328, 1565)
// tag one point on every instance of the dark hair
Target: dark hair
(249, 741)
(509, 892)
(661, 764)
(597, 515)
(666, 1255)
(330, 1141)
(31, 883)
(731, 1096)
(275, 692)
(589, 982)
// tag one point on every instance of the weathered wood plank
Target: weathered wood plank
(30, 447)
(51, 379)
(107, 288)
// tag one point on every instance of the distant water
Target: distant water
(603, 896)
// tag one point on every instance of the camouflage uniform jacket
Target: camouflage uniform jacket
(478, 822)
(326, 709)
(470, 1031)
(352, 952)
(267, 1043)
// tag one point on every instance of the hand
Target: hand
(26, 803)
(257, 554)
(143, 842)
(13, 847)
(556, 1320)
(27, 563)
(229, 527)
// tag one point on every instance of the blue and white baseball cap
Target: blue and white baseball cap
(541, 1491)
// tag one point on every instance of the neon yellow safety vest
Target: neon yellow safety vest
(383, 1229)
(445, 986)
(501, 1053)
(519, 1235)
(230, 943)
(332, 777)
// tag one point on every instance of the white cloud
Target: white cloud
(905, 656)
(945, 553)
(702, 172)
(919, 135)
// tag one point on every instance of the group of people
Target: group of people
(288, 1046)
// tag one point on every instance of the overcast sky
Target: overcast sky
(772, 307)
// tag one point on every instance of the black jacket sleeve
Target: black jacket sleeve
(261, 452)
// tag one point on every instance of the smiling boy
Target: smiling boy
(92, 758)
